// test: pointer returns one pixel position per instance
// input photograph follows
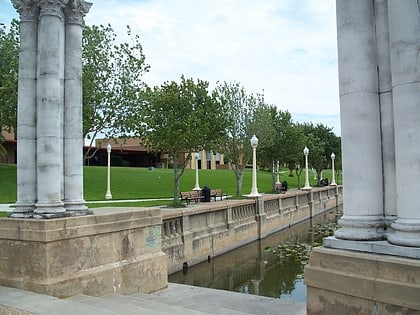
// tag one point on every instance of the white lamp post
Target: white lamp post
(197, 186)
(306, 153)
(254, 189)
(108, 185)
(333, 183)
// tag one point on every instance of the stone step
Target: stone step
(213, 301)
(181, 308)
(177, 299)
(21, 302)
(126, 304)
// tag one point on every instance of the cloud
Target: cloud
(285, 48)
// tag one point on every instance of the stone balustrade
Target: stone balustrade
(202, 231)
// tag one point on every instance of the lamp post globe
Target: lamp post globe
(254, 189)
(197, 185)
(108, 194)
(306, 153)
(333, 183)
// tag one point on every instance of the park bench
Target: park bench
(218, 193)
(193, 195)
(281, 187)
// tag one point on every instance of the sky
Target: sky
(286, 49)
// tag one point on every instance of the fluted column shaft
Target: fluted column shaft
(386, 112)
(26, 118)
(50, 109)
(404, 35)
(360, 122)
(73, 122)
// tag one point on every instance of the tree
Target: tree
(180, 119)
(321, 143)
(248, 115)
(112, 82)
(9, 64)
(288, 142)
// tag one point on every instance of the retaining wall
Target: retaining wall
(199, 232)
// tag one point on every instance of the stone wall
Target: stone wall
(202, 231)
(350, 282)
(116, 251)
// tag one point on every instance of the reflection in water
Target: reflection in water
(255, 268)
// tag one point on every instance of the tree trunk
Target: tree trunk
(176, 181)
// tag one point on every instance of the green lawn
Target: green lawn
(142, 183)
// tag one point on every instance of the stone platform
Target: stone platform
(177, 299)
(118, 250)
(350, 282)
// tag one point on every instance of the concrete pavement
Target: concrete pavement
(177, 299)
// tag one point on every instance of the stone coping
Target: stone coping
(104, 220)
(375, 247)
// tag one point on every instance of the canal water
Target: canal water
(272, 267)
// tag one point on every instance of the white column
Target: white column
(360, 122)
(404, 35)
(50, 109)
(254, 188)
(108, 194)
(307, 186)
(386, 111)
(197, 185)
(26, 118)
(73, 122)
(333, 183)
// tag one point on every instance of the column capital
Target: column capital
(76, 10)
(52, 7)
(28, 10)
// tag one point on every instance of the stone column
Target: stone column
(73, 121)
(26, 118)
(204, 160)
(360, 122)
(404, 35)
(386, 112)
(213, 161)
(50, 109)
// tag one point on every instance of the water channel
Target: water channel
(263, 267)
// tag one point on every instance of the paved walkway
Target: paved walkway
(177, 299)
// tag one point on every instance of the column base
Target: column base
(22, 210)
(406, 232)
(49, 210)
(361, 228)
(76, 208)
(348, 282)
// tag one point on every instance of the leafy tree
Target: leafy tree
(321, 143)
(9, 63)
(181, 119)
(288, 142)
(248, 115)
(112, 82)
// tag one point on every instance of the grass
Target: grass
(142, 183)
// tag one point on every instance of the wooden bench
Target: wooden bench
(193, 195)
(215, 193)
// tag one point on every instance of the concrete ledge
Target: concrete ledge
(65, 228)
(114, 251)
(348, 282)
(376, 247)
